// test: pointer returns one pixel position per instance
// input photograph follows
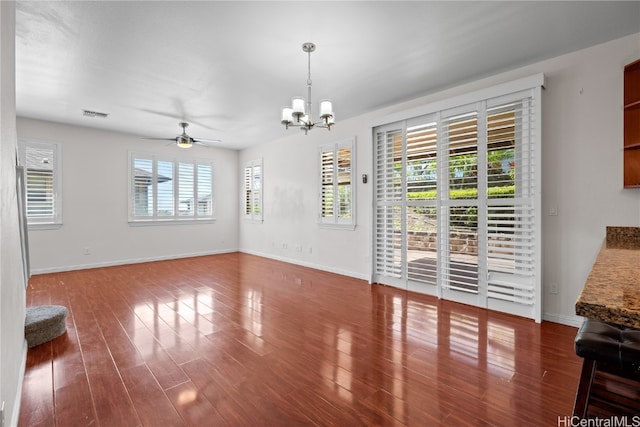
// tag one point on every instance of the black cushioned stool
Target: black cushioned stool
(613, 350)
(44, 323)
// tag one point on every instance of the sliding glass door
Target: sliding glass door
(457, 204)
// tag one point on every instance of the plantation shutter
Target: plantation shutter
(163, 190)
(327, 191)
(336, 192)
(186, 197)
(41, 162)
(343, 184)
(459, 212)
(253, 190)
(143, 187)
(389, 256)
(248, 187)
(513, 278)
(421, 172)
(205, 190)
(457, 200)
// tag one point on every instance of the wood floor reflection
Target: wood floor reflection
(236, 339)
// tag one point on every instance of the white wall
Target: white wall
(94, 203)
(13, 347)
(291, 204)
(582, 176)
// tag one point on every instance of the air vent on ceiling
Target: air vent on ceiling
(89, 113)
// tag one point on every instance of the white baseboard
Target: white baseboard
(15, 415)
(563, 319)
(309, 264)
(126, 261)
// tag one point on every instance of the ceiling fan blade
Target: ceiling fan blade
(206, 141)
(182, 117)
(162, 139)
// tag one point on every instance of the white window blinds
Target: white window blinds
(253, 190)
(511, 212)
(457, 195)
(389, 256)
(337, 189)
(162, 189)
(41, 162)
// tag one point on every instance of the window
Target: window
(457, 200)
(41, 162)
(337, 191)
(164, 190)
(253, 190)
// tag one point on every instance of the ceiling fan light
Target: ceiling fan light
(183, 142)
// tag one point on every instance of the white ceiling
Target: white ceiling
(228, 67)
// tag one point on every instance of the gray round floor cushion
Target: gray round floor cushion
(44, 323)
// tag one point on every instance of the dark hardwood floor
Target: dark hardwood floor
(236, 339)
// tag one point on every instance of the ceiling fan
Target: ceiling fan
(185, 141)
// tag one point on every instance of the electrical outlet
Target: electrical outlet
(86, 250)
(284, 246)
(553, 288)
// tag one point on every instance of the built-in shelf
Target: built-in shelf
(632, 105)
(632, 125)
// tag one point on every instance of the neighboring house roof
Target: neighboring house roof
(144, 177)
(205, 198)
(39, 159)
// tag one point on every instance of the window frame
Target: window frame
(55, 220)
(335, 220)
(175, 217)
(251, 193)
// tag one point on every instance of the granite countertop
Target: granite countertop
(612, 291)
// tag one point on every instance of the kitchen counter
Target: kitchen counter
(612, 291)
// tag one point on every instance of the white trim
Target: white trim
(569, 320)
(16, 401)
(535, 80)
(186, 220)
(537, 198)
(44, 226)
(338, 226)
(293, 261)
(116, 263)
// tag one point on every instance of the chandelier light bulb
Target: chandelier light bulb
(287, 116)
(326, 109)
(298, 106)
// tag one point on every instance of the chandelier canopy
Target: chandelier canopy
(299, 114)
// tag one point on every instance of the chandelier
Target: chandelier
(299, 114)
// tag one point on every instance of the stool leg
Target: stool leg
(584, 388)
